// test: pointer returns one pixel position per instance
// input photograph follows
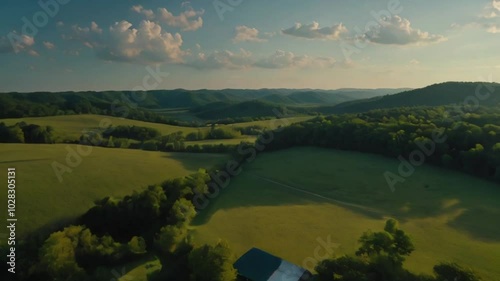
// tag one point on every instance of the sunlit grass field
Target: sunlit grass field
(451, 216)
(42, 199)
(71, 127)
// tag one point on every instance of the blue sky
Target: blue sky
(109, 45)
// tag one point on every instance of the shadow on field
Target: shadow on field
(355, 181)
(480, 223)
(191, 161)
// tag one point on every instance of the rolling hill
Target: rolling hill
(434, 95)
(154, 102)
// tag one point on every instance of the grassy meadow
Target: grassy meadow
(70, 127)
(42, 199)
(282, 205)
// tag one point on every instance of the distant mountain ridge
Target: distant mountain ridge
(205, 102)
(434, 95)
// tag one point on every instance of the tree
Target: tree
(452, 272)
(169, 237)
(137, 245)
(212, 263)
(57, 255)
(392, 242)
(183, 211)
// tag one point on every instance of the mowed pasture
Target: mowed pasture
(71, 127)
(285, 202)
(42, 199)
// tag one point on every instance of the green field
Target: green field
(451, 216)
(42, 199)
(235, 141)
(70, 127)
(273, 123)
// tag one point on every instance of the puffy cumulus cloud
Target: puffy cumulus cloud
(222, 59)
(189, 20)
(15, 43)
(313, 31)
(281, 59)
(245, 33)
(398, 31)
(146, 44)
(49, 45)
(494, 8)
(493, 28)
(245, 60)
(149, 14)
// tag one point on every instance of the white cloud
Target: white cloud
(223, 59)
(244, 33)
(245, 60)
(14, 43)
(493, 28)
(414, 62)
(149, 14)
(282, 59)
(189, 20)
(33, 53)
(147, 43)
(398, 31)
(495, 4)
(313, 31)
(49, 45)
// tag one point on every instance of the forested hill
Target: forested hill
(449, 93)
(46, 104)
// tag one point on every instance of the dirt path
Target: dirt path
(357, 206)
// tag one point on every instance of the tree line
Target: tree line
(469, 141)
(26, 133)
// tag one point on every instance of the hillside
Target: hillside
(148, 107)
(434, 95)
(104, 172)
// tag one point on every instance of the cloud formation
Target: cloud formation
(149, 14)
(245, 60)
(398, 31)
(48, 45)
(189, 20)
(223, 59)
(313, 31)
(146, 44)
(247, 34)
(281, 59)
(15, 43)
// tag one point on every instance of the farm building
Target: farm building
(257, 265)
